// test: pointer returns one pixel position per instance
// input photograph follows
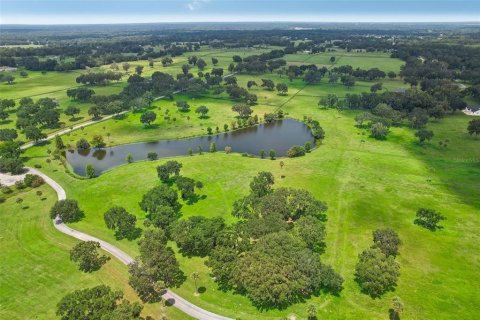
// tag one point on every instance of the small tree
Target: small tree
(474, 127)
(225, 127)
(83, 144)
(202, 110)
(312, 312)
(379, 131)
(307, 146)
(423, 135)
(195, 278)
(429, 219)
(152, 156)
(272, 154)
(72, 111)
(148, 117)
(59, 143)
(90, 171)
(97, 141)
(282, 89)
(296, 151)
(129, 158)
(213, 147)
(86, 255)
(397, 308)
(183, 106)
(262, 153)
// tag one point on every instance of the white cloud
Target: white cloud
(196, 4)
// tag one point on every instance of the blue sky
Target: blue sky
(130, 11)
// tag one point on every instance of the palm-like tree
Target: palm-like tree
(195, 277)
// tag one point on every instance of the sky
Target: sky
(150, 11)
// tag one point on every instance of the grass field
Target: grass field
(367, 184)
(36, 269)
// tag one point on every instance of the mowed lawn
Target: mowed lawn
(368, 184)
(35, 266)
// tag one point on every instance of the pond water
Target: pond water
(279, 135)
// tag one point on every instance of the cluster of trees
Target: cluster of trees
(80, 94)
(6, 77)
(43, 112)
(98, 78)
(118, 219)
(99, 302)
(5, 105)
(317, 130)
(377, 271)
(10, 157)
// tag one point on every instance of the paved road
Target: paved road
(177, 301)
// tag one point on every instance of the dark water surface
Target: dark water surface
(280, 136)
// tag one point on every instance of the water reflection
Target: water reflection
(279, 135)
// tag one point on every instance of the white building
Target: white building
(472, 111)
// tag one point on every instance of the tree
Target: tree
(397, 308)
(202, 110)
(423, 135)
(166, 61)
(7, 103)
(90, 171)
(3, 114)
(296, 151)
(156, 263)
(183, 106)
(311, 309)
(129, 158)
(376, 87)
(34, 133)
(387, 241)
(139, 70)
(214, 61)
(86, 255)
(126, 66)
(67, 210)
(312, 231)
(59, 142)
(392, 75)
(94, 112)
(201, 64)
(251, 83)
(282, 88)
(170, 167)
(83, 144)
(148, 117)
(474, 127)
(213, 147)
(97, 141)
(8, 134)
(118, 219)
(268, 84)
(272, 154)
(429, 219)
(152, 156)
(348, 81)
(197, 235)
(186, 186)
(97, 303)
(379, 131)
(195, 278)
(243, 111)
(332, 59)
(10, 160)
(376, 273)
(418, 117)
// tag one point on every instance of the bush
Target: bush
(6, 190)
(20, 185)
(33, 180)
(296, 151)
(152, 156)
(83, 144)
(379, 131)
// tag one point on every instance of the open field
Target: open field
(36, 269)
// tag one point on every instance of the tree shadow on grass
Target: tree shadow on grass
(202, 290)
(195, 198)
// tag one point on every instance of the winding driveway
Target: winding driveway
(177, 301)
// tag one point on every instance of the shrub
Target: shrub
(296, 151)
(152, 156)
(20, 185)
(379, 131)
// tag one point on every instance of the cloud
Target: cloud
(196, 4)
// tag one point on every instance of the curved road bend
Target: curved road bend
(177, 301)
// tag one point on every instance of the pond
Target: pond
(279, 135)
